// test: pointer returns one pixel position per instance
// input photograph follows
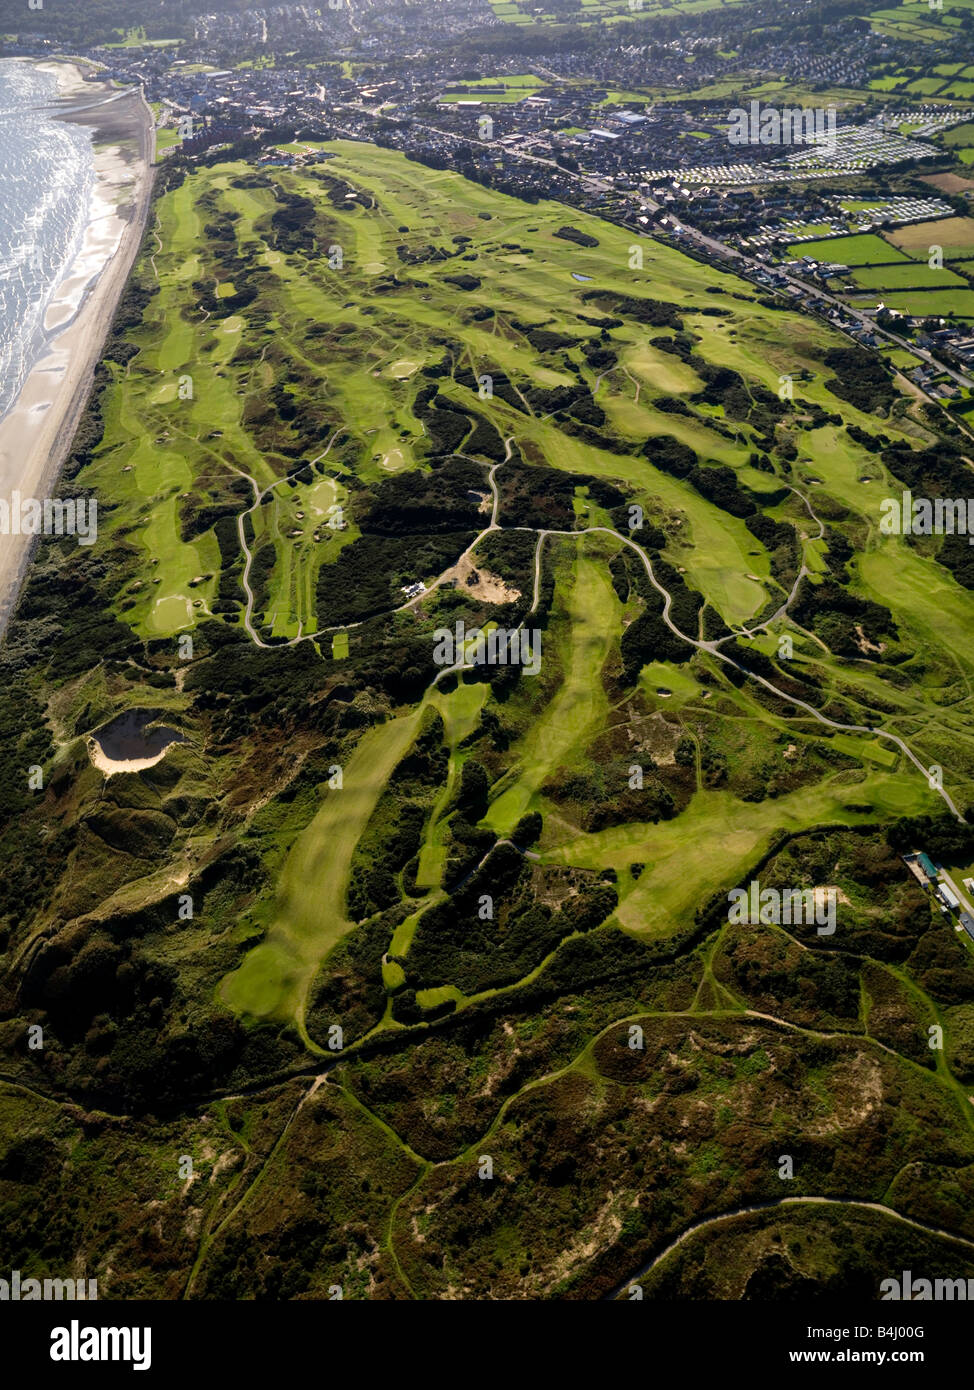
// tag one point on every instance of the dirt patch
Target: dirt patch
(655, 735)
(480, 583)
(824, 891)
(864, 644)
(949, 183)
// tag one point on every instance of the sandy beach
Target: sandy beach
(36, 433)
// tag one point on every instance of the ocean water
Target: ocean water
(47, 177)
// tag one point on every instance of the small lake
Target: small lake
(133, 741)
(576, 276)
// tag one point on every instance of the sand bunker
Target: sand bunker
(131, 742)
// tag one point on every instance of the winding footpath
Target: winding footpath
(758, 1207)
(803, 573)
(711, 647)
(261, 493)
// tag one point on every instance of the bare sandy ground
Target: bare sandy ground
(36, 433)
(70, 79)
(489, 587)
(111, 766)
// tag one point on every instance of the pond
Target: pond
(132, 741)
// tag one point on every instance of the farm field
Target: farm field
(865, 249)
(598, 11)
(916, 276)
(948, 304)
(954, 235)
(960, 139)
(917, 269)
(917, 21)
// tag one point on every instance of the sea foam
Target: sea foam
(47, 176)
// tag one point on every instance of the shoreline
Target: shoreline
(37, 431)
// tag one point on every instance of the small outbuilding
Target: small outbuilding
(928, 866)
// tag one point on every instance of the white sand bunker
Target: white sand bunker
(132, 742)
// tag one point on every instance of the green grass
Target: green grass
(866, 248)
(953, 303)
(899, 357)
(600, 12)
(678, 879)
(579, 704)
(460, 711)
(958, 135)
(166, 138)
(135, 38)
(516, 88)
(895, 575)
(895, 277)
(309, 917)
(675, 681)
(866, 750)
